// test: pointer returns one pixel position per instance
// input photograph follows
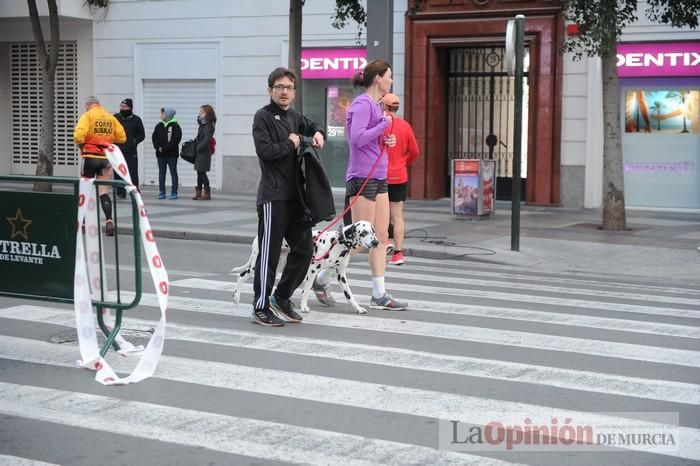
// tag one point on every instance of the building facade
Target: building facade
(448, 65)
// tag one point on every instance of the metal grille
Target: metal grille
(185, 96)
(481, 108)
(27, 97)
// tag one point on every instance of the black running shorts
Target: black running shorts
(373, 187)
(397, 192)
(91, 167)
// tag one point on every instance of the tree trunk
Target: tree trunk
(44, 164)
(613, 174)
(295, 48)
(48, 61)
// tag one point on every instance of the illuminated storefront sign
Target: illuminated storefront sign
(332, 63)
(658, 59)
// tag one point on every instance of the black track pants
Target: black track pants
(278, 220)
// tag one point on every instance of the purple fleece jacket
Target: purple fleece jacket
(364, 128)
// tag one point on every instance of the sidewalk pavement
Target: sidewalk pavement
(657, 245)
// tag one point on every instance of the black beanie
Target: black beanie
(128, 102)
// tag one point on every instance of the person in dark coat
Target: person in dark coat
(166, 141)
(204, 151)
(135, 134)
(277, 132)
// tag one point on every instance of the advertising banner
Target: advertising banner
(465, 187)
(37, 243)
(337, 103)
(658, 59)
(332, 63)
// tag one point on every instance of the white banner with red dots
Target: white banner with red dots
(84, 281)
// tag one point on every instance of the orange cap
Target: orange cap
(390, 100)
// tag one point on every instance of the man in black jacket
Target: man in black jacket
(135, 134)
(277, 131)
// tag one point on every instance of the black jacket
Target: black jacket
(314, 186)
(135, 134)
(276, 153)
(167, 135)
(202, 161)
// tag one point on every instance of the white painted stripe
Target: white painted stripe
(526, 315)
(443, 291)
(425, 329)
(322, 389)
(580, 278)
(512, 313)
(435, 274)
(585, 381)
(7, 460)
(465, 281)
(228, 434)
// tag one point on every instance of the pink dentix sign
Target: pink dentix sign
(332, 63)
(658, 59)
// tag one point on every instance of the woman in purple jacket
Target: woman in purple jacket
(364, 127)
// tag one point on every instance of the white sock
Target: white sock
(324, 277)
(378, 289)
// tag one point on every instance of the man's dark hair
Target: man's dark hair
(278, 73)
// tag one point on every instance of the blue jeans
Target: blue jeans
(171, 163)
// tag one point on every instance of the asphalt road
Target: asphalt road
(480, 344)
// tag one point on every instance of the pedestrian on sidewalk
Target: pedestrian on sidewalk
(204, 150)
(367, 165)
(97, 129)
(166, 141)
(277, 132)
(135, 134)
(401, 155)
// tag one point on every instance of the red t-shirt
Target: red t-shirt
(403, 153)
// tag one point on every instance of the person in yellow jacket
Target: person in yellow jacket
(97, 129)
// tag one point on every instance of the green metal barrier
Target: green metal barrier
(37, 246)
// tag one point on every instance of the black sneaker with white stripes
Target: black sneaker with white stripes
(266, 317)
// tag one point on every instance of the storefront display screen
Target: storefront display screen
(668, 111)
(337, 103)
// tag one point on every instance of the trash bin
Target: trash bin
(473, 188)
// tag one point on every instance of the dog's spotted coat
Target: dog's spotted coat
(331, 251)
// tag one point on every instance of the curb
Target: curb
(235, 238)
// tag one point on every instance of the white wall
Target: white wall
(253, 39)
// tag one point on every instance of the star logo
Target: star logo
(19, 225)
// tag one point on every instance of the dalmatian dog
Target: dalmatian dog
(331, 251)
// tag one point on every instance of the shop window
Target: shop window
(661, 146)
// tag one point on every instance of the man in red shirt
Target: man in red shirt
(400, 156)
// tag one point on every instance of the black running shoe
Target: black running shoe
(285, 309)
(266, 317)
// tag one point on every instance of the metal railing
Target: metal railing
(34, 200)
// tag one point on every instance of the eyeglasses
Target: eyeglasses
(281, 87)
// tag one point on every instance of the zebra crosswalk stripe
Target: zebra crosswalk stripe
(461, 292)
(357, 394)
(217, 432)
